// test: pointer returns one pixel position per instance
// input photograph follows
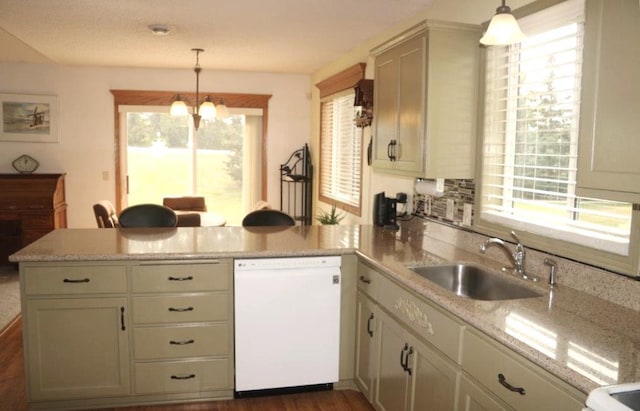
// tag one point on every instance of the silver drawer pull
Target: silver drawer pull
(172, 342)
(503, 380)
(188, 278)
(67, 280)
(180, 310)
(183, 377)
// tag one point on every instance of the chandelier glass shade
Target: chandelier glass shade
(206, 109)
(503, 28)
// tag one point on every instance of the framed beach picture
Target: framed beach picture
(28, 118)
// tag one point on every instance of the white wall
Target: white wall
(86, 128)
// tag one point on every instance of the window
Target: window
(532, 108)
(340, 141)
(340, 149)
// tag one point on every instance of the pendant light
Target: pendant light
(503, 28)
(207, 109)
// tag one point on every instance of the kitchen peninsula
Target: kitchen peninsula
(568, 339)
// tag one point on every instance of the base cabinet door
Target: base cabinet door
(366, 334)
(435, 380)
(473, 398)
(392, 378)
(411, 375)
(77, 348)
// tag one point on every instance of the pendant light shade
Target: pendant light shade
(221, 110)
(207, 109)
(503, 28)
(178, 107)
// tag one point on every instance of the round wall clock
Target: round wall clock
(25, 164)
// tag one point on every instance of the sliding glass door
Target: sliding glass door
(165, 157)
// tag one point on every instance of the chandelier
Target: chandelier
(207, 109)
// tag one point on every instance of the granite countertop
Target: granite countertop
(584, 340)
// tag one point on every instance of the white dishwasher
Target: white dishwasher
(287, 322)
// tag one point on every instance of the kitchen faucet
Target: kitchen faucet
(517, 258)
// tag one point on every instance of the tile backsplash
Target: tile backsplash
(450, 207)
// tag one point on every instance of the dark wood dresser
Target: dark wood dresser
(30, 207)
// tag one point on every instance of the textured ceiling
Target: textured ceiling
(286, 36)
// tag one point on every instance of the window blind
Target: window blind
(532, 107)
(340, 152)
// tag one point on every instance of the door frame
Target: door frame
(163, 98)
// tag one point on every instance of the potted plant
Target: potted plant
(330, 218)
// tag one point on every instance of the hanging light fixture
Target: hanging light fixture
(503, 28)
(207, 109)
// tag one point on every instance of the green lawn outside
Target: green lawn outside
(158, 173)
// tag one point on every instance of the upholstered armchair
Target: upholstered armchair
(185, 203)
(187, 209)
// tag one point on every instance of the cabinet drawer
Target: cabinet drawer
(183, 376)
(181, 308)
(180, 277)
(430, 323)
(485, 360)
(75, 279)
(368, 280)
(181, 342)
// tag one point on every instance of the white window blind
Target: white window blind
(532, 108)
(340, 152)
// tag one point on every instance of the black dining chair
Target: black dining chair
(267, 217)
(147, 215)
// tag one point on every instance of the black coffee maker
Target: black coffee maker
(384, 211)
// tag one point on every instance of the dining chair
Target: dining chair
(105, 213)
(147, 215)
(267, 217)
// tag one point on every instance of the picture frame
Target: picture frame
(28, 118)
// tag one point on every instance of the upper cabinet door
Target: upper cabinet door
(609, 143)
(425, 101)
(399, 89)
(411, 104)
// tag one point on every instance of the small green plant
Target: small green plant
(330, 218)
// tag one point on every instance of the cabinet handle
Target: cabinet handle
(172, 342)
(183, 377)
(122, 327)
(406, 361)
(395, 154)
(188, 278)
(391, 150)
(180, 310)
(402, 352)
(67, 280)
(503, 380)
(365, 280)
(369, 330)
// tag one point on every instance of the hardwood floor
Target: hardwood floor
(12, 390)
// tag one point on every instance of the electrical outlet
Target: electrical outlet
(467, 211)
(105, 175)
(450, 209)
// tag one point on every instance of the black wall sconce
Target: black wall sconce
(363, 103)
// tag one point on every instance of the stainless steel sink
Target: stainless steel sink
(474, 282)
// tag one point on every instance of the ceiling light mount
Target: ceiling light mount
(207, 109)
(503, 28)
(159, 29)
